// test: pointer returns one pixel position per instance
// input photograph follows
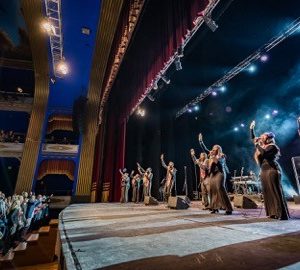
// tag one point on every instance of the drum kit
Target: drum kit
(246, 184)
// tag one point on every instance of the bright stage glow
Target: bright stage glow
(62, 68)
(236, 129)
(252, 68)
(48, 27)
(275, 112)
(223, 88)
(189, 110)
(141, 112)
(267, 116)
(196, 108)
(214, 93)
(264, 58)
(242, 125)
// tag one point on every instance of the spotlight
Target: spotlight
(228, 109)
(214, 93)
(62, 67)
(19, 89)
(236, 129)
(150, 97)
(48, 27)
(178, 65)
(242, 125)
(275, 112)
(264, 58)
(180, 51)
(189, 110)
(223, 88)
(140, 112)
(210, 23)
(252, 68)
(267, 116)
(196, 108)
(165, 79)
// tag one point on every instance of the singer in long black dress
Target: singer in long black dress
(217, 175)
(266, 155)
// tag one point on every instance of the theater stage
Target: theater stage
(132, 236)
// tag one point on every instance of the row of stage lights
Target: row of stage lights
(267, 116)
(61, 68)
(221, 89)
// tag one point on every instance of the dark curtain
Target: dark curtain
(161, 30)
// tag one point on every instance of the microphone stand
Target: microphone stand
(185, 181)
(196, 182)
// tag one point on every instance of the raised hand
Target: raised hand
(252, 125)
(200, 137)
(192, 152)
(162, 156)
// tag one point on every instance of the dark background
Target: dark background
(244, 26)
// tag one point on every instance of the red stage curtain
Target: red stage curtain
(154, 44)
(66, 167)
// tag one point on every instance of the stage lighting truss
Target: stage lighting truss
(53, 12)
(199, 20)
(294, 26)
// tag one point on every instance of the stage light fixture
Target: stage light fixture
(223, 88)
(189, 110)
(165, 79)
(178, 65)
(140, 112)
(19, 89)
(150, 97)
(236, 129)
(48, 27)
(196, 108)
(275, 112)
(264, 58)
(242, 125)
(210, 23)
(62, 67)
(252, 68)
(267, 116)
(214, 93)
(180, 51)
(155, 85)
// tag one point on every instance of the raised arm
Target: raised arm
(131, 174)
(252, 132)
(203, 146)
(163, 161)
(121, 172)
(195, 160)
(140, 169)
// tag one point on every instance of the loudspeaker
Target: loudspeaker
(297, 199)
(79, 110)
(243, 201)
(150, 201)
(179, 202)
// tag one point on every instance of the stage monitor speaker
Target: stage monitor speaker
(297, 199)
(243, 201)
(179, 202)
(150, 201)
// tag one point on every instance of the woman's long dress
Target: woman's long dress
(270, 175)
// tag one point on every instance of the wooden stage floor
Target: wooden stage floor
(135, 236)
